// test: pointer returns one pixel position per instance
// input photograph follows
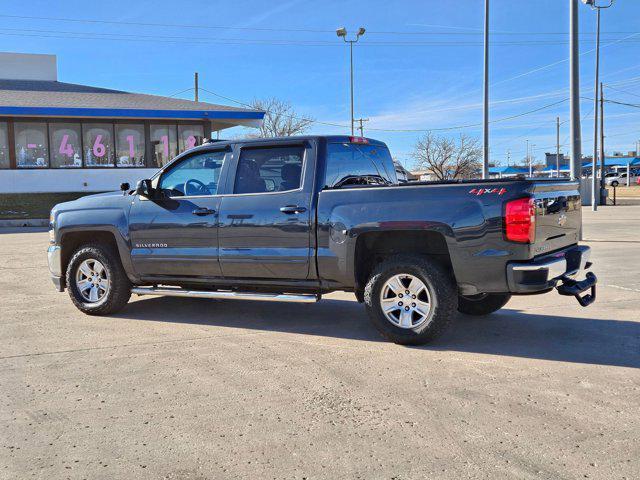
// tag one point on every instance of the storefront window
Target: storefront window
(189, 136)
(98, 144)
(130, 145)
(4, 146)
(164, 141)
(64, 139)
(31, 145)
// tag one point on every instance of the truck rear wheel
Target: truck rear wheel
(96, 280)
(482, 304)
(410, 300)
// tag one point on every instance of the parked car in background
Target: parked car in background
(621, 179)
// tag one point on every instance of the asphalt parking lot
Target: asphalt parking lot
(199, 389)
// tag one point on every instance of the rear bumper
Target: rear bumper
(544, 273)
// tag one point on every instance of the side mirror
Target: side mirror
(144, 188)
(124, 187)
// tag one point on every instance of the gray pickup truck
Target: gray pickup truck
(291, 219)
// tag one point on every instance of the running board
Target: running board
(265, 297)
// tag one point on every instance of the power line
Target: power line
(176, 25)
(273, 29)
(635, 105)
(620, 90)
(461, 127)
(181, 91)
(295, 117)
(42, 33)
(457, 127)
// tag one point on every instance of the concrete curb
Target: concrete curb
(25, 222)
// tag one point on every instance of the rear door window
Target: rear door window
(359, 164)
(273, 169)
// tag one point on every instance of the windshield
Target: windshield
(359, 164)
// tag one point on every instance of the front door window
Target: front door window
(197, 175)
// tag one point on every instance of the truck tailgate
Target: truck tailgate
(558, 215)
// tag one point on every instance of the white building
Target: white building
(63, 137)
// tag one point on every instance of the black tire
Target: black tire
(119, 290)
(615, 183)
(441, 288)
(482, 304)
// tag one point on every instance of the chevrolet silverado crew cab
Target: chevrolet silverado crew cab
(291, 219)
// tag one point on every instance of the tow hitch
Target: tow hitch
(571, 287)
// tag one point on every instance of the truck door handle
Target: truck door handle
(290, 209)
(201, 212)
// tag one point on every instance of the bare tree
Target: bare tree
(280, 120)
(446, 158)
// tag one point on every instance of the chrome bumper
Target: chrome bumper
(54, 258)
(544, 273)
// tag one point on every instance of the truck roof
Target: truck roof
(328, 138)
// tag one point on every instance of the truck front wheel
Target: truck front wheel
(410, 300)
(97, 283)
(482, 304)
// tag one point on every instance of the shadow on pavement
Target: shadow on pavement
(507, 332)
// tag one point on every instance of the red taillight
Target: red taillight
(520, 220)
(358, 140)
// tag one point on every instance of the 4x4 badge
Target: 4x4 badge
(482, 191)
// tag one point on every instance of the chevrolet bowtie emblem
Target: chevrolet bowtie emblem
(562, 219)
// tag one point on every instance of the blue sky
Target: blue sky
(418, 67)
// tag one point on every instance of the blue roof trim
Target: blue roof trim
(509, 169)
(131, 112)
(615, 162)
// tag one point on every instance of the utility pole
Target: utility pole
(195, 85)
(594, 163)
(531, 157)
(485, 128)
(602, 159)
(528, 161)
(360, 121)
(508, 157)
(557, 146)
(574, 77)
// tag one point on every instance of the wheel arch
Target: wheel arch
(73, 238)
(373, 247)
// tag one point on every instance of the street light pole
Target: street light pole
(342, 32)
(351, 70)
(594, 164)
(485, 120)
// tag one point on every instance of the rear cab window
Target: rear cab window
(358, 164)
